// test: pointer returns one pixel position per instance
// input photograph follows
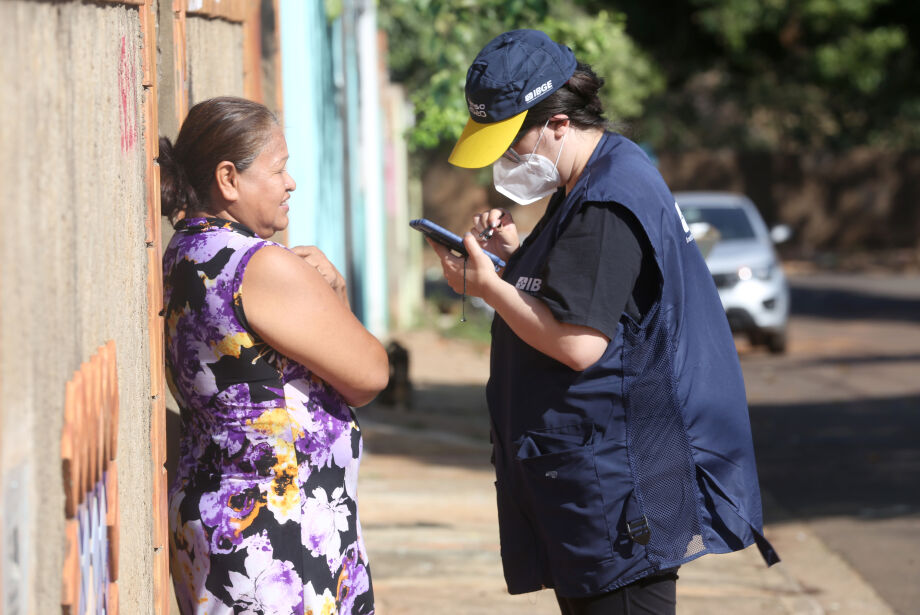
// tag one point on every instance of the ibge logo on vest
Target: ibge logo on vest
(529, 285)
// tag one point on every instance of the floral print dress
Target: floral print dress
(262, 512)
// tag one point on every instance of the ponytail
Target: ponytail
(578, 99)
(177, 197)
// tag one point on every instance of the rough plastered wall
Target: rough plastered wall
(72, 276)
(215, 58)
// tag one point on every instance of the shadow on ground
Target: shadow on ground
(838, 303)
(454, 418)
(856, 458)
(866, 359)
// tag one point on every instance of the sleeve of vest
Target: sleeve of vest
(593, 267)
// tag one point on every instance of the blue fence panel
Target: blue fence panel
(333, 128)
(313, 127)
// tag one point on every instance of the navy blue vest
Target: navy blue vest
(643, 461)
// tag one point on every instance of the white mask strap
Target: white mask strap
(537, 144)
(541, 138)
(556, 164)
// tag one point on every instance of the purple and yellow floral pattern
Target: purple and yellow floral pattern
(263, 511)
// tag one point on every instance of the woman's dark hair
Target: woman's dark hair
(215, 130)
(577, 99)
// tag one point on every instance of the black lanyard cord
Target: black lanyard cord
(463, 297)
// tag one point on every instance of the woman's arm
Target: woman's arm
(576, 346)
(291, 306)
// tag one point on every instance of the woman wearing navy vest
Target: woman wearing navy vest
(622, 444)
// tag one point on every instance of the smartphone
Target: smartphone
(448, 239)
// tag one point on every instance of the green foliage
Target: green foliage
(433, 42)
(860, 57)
(600, 40)
(786, 74)
(334, 9)
(734, 21)
(773, 74)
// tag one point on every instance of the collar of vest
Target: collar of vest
(613, 169)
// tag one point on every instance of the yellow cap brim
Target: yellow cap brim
(482, 144)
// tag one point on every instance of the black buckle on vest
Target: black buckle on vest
(639, 531)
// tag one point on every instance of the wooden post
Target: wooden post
(180, 56)
(155, 292)
(279, 91)
(252, 52)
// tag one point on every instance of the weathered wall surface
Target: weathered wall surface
(73, 271)
(270, 52)
(215, 58)
(167, 79)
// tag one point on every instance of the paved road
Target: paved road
(837, 424)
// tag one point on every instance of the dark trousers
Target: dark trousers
(654, 595)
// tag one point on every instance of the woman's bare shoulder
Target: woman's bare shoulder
(275, 264)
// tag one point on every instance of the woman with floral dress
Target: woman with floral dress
(264, 357)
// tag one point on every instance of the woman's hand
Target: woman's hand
(496, 232)
(315, 258)
(480, 273)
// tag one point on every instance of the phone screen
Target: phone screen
(448, 239)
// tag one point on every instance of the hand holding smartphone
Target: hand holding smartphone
(448, 239)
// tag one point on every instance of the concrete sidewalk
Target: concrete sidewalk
(427, 505)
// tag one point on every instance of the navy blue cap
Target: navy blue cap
(511, 74)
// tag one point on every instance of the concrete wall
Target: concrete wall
(215, 58)
(270, 52)
(73, 271)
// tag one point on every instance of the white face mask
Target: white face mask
(528, 178)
